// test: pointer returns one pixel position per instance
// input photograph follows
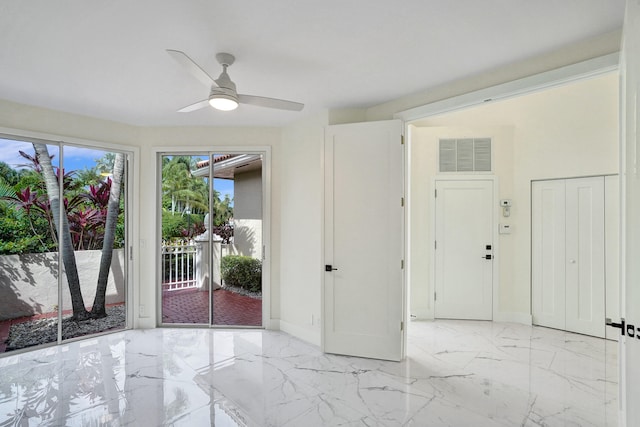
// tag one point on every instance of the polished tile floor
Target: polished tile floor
(457, 373)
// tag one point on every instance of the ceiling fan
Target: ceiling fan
(223, 95)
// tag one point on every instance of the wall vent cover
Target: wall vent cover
(465, 155)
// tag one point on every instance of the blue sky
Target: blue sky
(77, 158)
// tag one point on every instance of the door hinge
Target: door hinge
(402, 202)
(402, 326)
(401, 139)
(435, 193)
(435, 244)
(130, 253)
(402, 264)
(435, 296)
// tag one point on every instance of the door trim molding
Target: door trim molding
(495, 285)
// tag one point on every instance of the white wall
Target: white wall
(567, 131)
(301, 240)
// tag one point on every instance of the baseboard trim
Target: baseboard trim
(311, 336)
(513, 317)
(273, 324)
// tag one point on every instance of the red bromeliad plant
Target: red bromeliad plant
(86, 211)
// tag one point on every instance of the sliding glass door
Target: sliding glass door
(212, 238)
(63, 231)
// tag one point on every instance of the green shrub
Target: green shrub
(242, 271)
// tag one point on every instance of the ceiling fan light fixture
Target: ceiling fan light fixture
(223, 102)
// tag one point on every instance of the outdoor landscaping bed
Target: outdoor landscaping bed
(42, 331)
(242, 291)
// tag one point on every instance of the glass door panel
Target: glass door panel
(184, 272)
(93, 237)
(28, 248)
(237, 241)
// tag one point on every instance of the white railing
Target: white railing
(178, 265)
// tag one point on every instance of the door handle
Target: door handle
(488, 256)
(620, 325)
(329, 267)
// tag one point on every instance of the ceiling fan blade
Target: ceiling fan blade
(261, 101)
(195, 70)
(193, 107)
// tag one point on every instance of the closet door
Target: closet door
(585, 273)
(548, 253)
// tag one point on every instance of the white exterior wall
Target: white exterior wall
(29, 282)
(247, 213)
(247, 195)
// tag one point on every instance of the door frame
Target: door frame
(265, 151)
(495, 283)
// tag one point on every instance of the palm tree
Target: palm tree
(175, 179)
(98, 309)
(62, 226)
(185, 192)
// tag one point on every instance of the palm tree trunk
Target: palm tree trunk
(98, 309)
(62, 227)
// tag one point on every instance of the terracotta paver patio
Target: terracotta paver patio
(229, 308)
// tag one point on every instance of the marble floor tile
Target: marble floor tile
(457, 373)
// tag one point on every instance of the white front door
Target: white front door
(630, 152)
(363, 291)
(464, 249)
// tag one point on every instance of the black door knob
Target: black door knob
(329, 267)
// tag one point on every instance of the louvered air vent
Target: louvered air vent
(465, 155)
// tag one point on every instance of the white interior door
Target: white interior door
(364, 240)
(630, 152)
(548, 253)
(585, 294)
(464, 249)
(568, 254)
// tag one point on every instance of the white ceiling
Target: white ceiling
(107, 59)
